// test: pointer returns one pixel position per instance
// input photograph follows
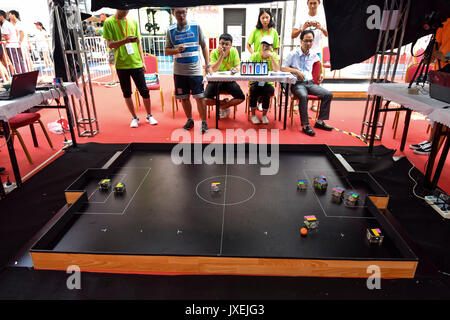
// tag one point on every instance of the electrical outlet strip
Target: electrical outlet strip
(439, 206)
(9, 188)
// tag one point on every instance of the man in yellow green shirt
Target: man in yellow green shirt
(225, 58)
(263, 90)
(122, 36)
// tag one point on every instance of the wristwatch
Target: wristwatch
(208, 66)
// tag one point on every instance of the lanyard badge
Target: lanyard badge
(128, 46)
(121, 28)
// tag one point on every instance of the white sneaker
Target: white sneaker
(423, 144)
(134, 123)
(151, 120)
(425, 149)
(222, 114)
(265, 120)
(255, 120)
(111, 84)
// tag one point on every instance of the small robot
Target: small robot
(351, 199)
(302, 185)
(374, 236)
(337, 195)
(321, 185)
(119, 188)
(105, 184)
(311, 222)
(215, 187)
(319, 177)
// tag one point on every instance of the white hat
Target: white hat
(267, 39)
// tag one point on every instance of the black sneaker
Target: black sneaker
(204, 127)
(189, 124)
(419, 145)
(424, 149)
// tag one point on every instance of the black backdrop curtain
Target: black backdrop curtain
(350, 40)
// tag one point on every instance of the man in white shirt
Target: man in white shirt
(14, 18)
(9, 34)
(300, 63)
(312, 21)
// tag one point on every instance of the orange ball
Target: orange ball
(303, 231)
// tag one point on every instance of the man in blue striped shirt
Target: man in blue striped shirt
(300, 63)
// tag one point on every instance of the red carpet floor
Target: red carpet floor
(114, 121)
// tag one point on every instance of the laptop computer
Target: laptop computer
(22, 84)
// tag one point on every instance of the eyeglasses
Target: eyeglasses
(182, 13)
(308, 41)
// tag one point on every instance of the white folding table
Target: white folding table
(10, 108)
(226, 76)
(434, 109)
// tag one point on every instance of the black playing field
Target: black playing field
(170, 210)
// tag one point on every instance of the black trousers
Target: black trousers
(263, 92)
(125, 76)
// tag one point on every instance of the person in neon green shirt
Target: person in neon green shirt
(263, 90)
(264, 27)
(122, 35)
(225, 58)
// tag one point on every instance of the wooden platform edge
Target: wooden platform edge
(145, 264)
(380, 202)
(72, 196)
(349, 94)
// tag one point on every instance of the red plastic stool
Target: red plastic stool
(27, 119)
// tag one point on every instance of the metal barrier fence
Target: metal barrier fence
(155, 45)
(97, 55)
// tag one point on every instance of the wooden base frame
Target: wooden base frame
(222, 265)
(46, 258)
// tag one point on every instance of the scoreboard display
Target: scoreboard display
(255, 68)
